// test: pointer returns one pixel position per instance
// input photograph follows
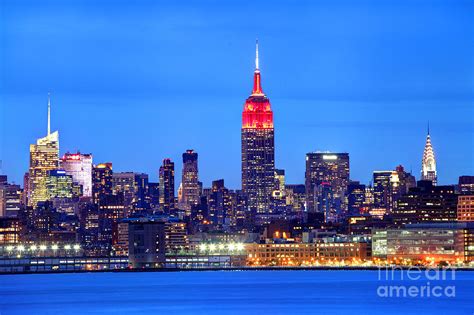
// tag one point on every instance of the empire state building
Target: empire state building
(258, 150)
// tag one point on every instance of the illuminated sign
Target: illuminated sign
(329, 157)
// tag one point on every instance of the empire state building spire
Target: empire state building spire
(428, 163)
(257, 84)
(256, 55)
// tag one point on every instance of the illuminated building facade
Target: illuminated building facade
(426, 203)
(438, 242)
(191, 192)
(258, 150)
(330, 169)
(124, 184)
(102, 183)
(176, 236)
(59, 184)
(295, 196)
(10, 229)
(428, 163)
(166, 175)
(10, 199)
(389, 187)
(297, 254)
(465, 208)
(79, 166)
(279, 192)
(44, 156)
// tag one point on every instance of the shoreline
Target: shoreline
(318, 268)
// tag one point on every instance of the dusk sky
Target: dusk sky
(134, 82)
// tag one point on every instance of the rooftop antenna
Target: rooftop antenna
(256, 55)
(49, 113)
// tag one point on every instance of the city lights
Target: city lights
(222, 248)
(41, 247)
(329, 219)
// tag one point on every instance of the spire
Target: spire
(257, 86)
(428, 127)
(49, 113)
(256, 55)
(428, 163)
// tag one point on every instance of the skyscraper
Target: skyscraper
(44, 156)
(167, 186)
(428, 163)
(101, 181)
(330, 169)
(79, 166)
(383, 189)
(190, 181)
(258, 149)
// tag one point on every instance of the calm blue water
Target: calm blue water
(218, 292)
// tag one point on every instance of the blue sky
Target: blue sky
(134, 82)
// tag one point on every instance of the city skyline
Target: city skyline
(315, 118)
(298, 153)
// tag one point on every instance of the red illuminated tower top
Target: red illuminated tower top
(257, 112)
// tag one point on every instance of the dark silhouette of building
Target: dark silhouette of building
(355, 198)
(167, 200)
(220, 204)
(426, 203)
(146, 242)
